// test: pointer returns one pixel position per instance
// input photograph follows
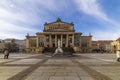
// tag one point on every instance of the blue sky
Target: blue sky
(101, 18)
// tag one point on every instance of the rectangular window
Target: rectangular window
(33, 43)
(41, 42)
(47, 38)
(77, 41)
(84, 43)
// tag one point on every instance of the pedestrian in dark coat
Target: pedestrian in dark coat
(6, 54)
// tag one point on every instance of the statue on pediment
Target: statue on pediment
(58, 20)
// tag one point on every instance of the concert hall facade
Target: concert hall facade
(55, 31)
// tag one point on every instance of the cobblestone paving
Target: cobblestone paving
(41, 67)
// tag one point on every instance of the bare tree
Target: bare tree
(11, 46)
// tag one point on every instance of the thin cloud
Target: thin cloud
(17, 11)
(91, 7)
(5, 14)
(14, 31)
(14, 28)
(18, 17)
(4, 35)
(105, 35)
(27, 16)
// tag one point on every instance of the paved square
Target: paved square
(79, 67)
(7, 72)
(26, 61)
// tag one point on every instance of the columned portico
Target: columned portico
(60, 37)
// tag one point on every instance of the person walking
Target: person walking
(6, 54)
(118, 55)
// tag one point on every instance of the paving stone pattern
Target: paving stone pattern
(41, 67)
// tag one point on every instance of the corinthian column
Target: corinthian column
(66, 40)
(73, 40)
(55, 40)
(50, 40)
(61, 40)
(37, 42)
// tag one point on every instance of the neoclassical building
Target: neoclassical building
(55, 31)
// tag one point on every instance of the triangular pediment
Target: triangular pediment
(59, 25)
